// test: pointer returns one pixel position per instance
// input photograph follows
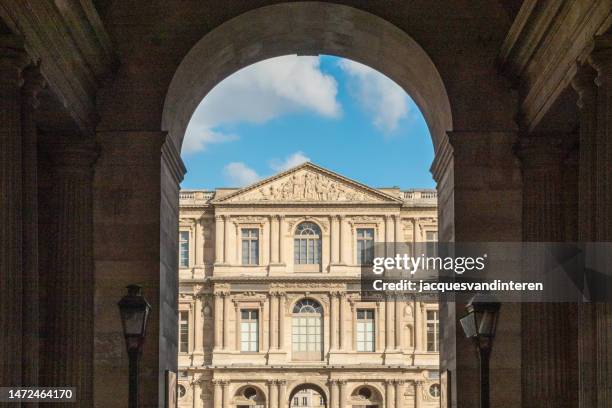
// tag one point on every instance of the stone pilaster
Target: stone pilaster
(12, 60)
(70, 280)
(389, 394)
(399, 394)
(389, 323)
(333, 321)
(273, 393)
(282, 394)
(226, 326)
(343, 393)
(548, 329)
(601, 59)
(33, 84)
(333, 393)
(219, 239)
(218, 321)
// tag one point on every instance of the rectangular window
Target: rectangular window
(365, 246)
(249, 330)
(296, 401)
(184, 249)
(432, 330)
(250, 246)
(432, 238)
(365, 330)
(184, 332)
(305, 401)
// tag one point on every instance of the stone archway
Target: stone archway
(305, 387)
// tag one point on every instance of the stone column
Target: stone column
(218, 393)
(69, 344)
(282, 394)
(33, 84)
(281, 240)
(281, 320)
(343, 393)
(418, 385)
(333, 321)
(584, 84)
(601, 59)
(389, 337)
(197, 394)
(199, 243)
(218, 320)
(198, 327)
(418, 326)
(389, 394)
(399, 394)
(226, 326)
(548, 356)
(273, 320)
(12, 60)
(219, 239)
(335, 239)
(345, 241)
(333, 393)
(226, 396)
(273, 394)
(274, 240)
(342, 326)
(228, 242)
(389, 235)
(397, 231)
(398, 322)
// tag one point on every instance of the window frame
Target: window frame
(358, 257)
(187, 333)
(371, 320)
(301, 325)
(436, 330)
(182, 252)
(250, 240)
(313, 244)
(249, 320)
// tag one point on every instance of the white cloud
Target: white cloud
(380, 96)
(259, 93)
(239, 174)
(290, 161)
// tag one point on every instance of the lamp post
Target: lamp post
(479, 324)
(134, 310)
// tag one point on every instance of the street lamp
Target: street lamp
(134, 310)
(479, 324)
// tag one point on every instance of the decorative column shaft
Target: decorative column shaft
(219, 239)
(199, 242)
(333, 393)
(273, 321)
(335, 239)
(343, 393)
(226, 326)
(274, 239)
(398, 322)
(418, 323)
(273, 393)
(389, 394)
(601, 59)
(282, 394)
(333, 325)
(281, 320)
(218, 320)
(198, 327)
(342, 326)
(389, 306)
(389, 235)
(12, 60)
(218, 394)
(418, 385)
(226, 396)
(345, 241)
(228, 253)
(399, 393)
(281, 241)
(547, 328)
(69, 345)
(197, 394)
(33, 84)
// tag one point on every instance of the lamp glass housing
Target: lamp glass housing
(134, 311)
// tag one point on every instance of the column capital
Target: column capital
(540, 150)
(601, 57)
(13, 59)
(33, 83)
(280, 382)
(73, 155)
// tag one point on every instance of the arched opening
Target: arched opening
(307, 330)
(366, 396)
(314, 29)
(249, 396)
(307, 396)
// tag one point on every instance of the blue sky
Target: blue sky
(334, 112)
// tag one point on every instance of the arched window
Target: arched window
(307, 330)
(307, 244)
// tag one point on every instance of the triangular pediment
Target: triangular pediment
(308, 183)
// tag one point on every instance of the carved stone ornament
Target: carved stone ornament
(308, 183)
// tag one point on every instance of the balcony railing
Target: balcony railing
(428, 196)
(195, 197)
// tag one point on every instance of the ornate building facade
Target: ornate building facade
(270, 309)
